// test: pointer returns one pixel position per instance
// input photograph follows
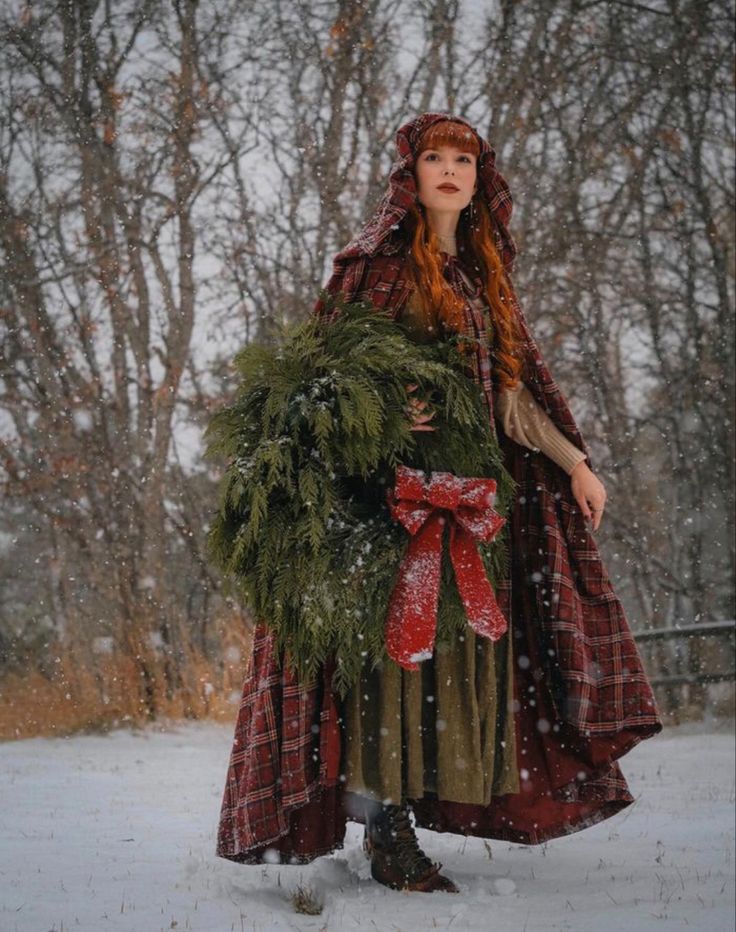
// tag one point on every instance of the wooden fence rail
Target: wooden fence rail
(690, 656)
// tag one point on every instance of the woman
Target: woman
(515, 739)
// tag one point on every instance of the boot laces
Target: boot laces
(414, 862)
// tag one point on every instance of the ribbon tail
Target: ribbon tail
(481, 608)
(411, 620)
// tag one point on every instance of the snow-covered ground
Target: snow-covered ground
(118, 832)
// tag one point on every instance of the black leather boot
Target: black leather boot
(397, 861)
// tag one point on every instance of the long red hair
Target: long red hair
(440, 306)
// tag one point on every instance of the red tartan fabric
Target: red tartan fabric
(285, 755)
(582, 697)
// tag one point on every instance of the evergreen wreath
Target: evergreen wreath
(319, 424)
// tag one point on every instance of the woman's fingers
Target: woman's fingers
(583, 504)
(589, 493)
(597, 506)
(420, 421)
(596, 515)
(415, 410)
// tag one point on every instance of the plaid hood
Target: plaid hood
(377, 236)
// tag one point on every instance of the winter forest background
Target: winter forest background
(175, 177)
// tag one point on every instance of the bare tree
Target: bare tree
(99, 195)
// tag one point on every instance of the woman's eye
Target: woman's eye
(433, 157)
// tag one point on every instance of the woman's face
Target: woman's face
(446, 178)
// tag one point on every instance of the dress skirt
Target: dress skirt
(443, 731)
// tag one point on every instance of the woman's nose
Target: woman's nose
(447, 170)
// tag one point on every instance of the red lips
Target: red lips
(447, 186)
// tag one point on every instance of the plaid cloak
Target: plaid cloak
(582, 697)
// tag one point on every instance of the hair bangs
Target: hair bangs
(450, 133)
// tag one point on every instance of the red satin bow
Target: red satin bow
(423, 506)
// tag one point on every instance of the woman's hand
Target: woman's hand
(589, 493)
(415, 411)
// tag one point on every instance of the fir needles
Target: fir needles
(312, 441)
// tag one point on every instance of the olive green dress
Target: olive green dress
(446, 729)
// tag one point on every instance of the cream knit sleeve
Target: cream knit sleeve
(526, 423)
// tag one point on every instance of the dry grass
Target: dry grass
(81, 691)
(306, 901)
(84, 692)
